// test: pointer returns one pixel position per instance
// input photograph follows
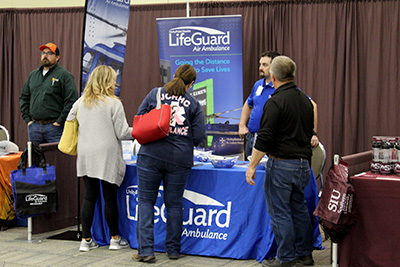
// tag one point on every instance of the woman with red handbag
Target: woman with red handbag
(168, 160)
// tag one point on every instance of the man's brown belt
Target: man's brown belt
(277, 158)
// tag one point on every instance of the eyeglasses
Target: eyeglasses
(47, 53)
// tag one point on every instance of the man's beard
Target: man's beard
(263, 75)
(46, 63)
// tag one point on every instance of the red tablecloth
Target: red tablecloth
(375, 239)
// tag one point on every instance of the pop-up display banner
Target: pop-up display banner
(213, 46)
(104, 37)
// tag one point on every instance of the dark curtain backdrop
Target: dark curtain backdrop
(347, 55)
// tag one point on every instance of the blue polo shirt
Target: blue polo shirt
(260, 93)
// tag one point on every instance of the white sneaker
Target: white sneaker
(88, 245)
(118, 244)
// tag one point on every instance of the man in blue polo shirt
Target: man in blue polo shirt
(254, 105)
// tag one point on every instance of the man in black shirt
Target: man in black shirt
(285, 132)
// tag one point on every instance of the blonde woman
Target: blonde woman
(102, 126)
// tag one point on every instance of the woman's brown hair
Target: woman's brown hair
(183, 76)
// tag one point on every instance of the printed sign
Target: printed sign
(106, 26)
(213, 46)
(217, 218)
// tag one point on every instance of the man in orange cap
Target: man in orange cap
(47, 97)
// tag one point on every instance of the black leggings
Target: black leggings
(92, 192)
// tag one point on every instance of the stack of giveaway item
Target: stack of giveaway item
(34, 188)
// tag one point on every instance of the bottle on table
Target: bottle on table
(386, 165)
(396, 166)
(376, 156)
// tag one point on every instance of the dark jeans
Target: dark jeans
(284, 185)
(151, 172)
(92, 193)
(44, 133)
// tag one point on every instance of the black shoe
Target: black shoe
(274, 262)
(173, 257)
(305, 260)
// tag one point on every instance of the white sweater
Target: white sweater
(101, 130)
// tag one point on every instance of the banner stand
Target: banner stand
(103, 43)
(29, 220)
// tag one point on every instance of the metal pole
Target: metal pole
(29, 145)
(334, 254)
(335, 245)
(187, 8)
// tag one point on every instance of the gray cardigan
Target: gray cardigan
(101, 130)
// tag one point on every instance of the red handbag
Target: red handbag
(153, 125)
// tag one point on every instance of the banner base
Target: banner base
(68, 235)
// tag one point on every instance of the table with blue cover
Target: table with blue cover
(224, 216)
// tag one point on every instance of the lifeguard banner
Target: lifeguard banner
(213, 46)
(104, 37)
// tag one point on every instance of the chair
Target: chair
(318, 162)
(6, 146)
(4, 134)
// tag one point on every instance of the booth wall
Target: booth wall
(347, 57)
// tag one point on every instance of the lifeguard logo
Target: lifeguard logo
(119, 3)
(201, 38)
(36, 199)
(210, 213)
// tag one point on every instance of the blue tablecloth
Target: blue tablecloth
(223, 215)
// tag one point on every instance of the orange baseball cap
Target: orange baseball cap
(50, 46)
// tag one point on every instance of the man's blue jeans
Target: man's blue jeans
(284, 185)
(151, 172)
(44, 133)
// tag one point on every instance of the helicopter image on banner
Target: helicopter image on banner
(101, 54)
(104, 39)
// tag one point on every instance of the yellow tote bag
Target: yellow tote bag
(69, 138)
